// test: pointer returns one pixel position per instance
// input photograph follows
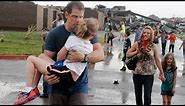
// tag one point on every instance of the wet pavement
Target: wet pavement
(102, 91)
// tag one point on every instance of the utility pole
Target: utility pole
(183, 71)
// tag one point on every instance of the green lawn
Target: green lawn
(16, 44)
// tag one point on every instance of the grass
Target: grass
(14, 43)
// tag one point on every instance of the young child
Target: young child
(67, 71)
(170, 71)
(126, 46)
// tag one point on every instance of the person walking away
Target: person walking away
(126, 46)
(143, 75)
(164, 39)
(110, 36)
(137, 33)
(168, 87)
(183, 45)
(106, 28)
(156, 35)
(172, 38)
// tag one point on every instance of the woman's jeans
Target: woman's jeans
(147, 82)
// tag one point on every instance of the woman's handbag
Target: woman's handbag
(131, 62)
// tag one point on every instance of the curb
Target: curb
(13, 57)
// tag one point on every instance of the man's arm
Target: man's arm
(62, 54)
(52, 79)
(96, 56)
(49, 53)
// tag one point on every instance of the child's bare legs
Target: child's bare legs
(164, 99)
(36, 66)
(169, 98)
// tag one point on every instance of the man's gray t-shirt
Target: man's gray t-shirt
(54, 42)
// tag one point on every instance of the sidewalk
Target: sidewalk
(102, 91)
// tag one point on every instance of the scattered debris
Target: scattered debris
(116, 82)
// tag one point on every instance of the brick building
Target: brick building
(18, 15)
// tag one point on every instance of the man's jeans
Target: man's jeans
(147, 82)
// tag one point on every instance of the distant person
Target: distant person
(122, 30)
(107, 26)
(58, 21)
(110, 36)
(156, 35)
(183, 45)
(168, 87)
(172, 38)
(137, 34)
(164, 38)
(126, 46)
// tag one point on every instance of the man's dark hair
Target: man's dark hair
(74, 4)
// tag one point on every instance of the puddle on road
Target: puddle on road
(6, 88)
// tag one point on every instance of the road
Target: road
(102, 91)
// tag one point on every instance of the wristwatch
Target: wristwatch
(85, 58)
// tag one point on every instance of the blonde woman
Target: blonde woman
(143, 75)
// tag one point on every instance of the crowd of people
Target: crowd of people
(72, 45)
(145, 46)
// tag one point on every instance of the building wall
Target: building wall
(45, 18)
(101, 18)
(20, 14)
(50, 17)
(17, 15)
(90, 13)
(96, 14)
(40, 15)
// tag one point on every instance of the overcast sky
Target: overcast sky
(161, 9)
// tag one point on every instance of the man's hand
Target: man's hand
(75, 56)
(51, 79)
